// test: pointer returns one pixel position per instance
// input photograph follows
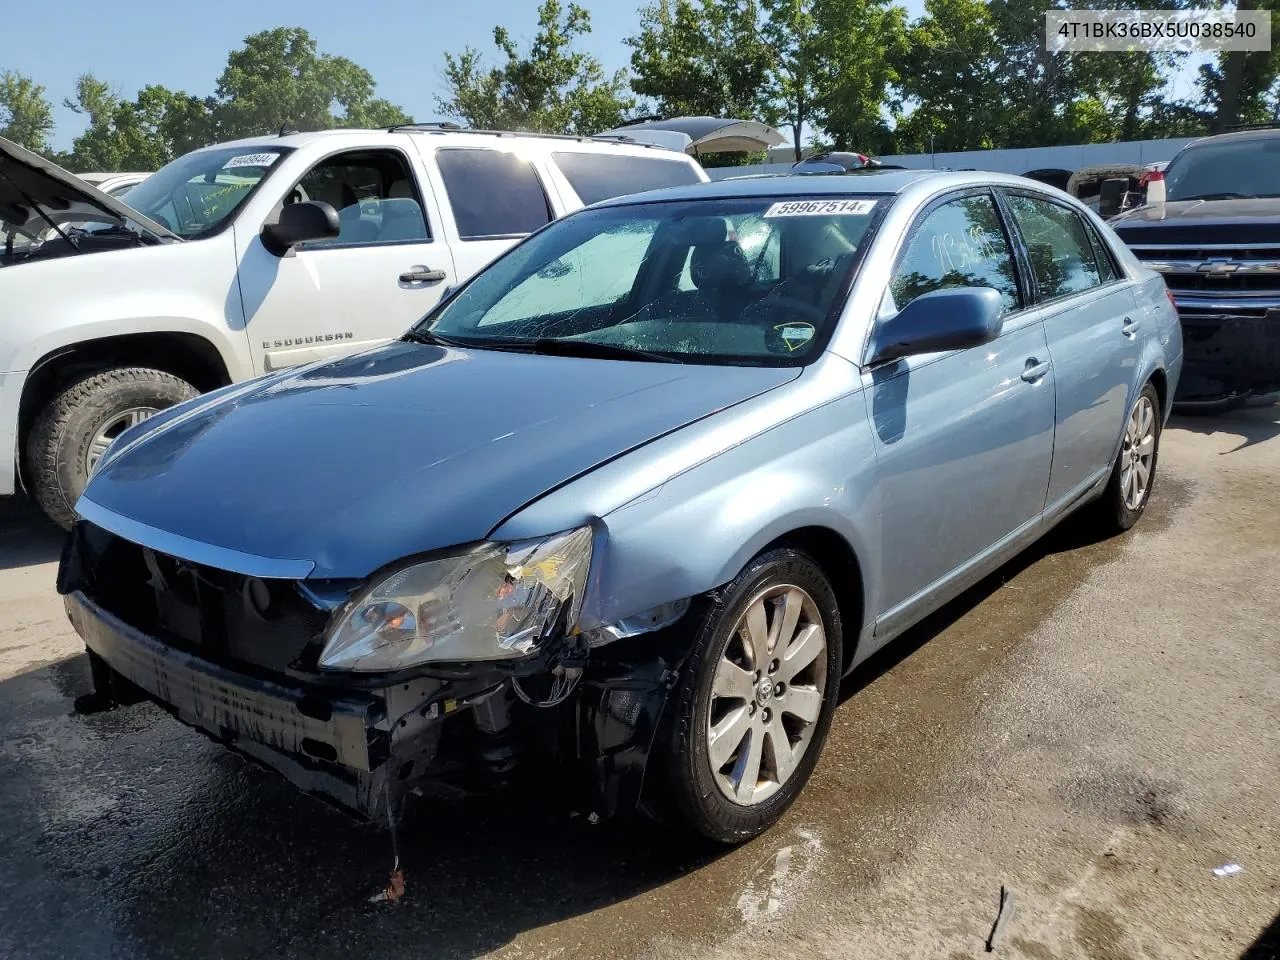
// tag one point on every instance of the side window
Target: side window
(1107, 268)
(1062, 257)
(493, 193)
(602, 176)
(374, 194)
(958, 244)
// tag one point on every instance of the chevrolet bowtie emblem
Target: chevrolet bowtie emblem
(1218, 266)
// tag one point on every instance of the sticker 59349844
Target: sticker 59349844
(251, 160)
(821, 208)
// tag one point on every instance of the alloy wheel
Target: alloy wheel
(766, 694)
(111, 429)
(1137, 453)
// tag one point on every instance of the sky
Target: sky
(183, 44)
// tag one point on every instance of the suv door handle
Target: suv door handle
(1131, 327)
(1035, 369)
(421, 273)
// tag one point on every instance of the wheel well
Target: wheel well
(1161, 382)
(840, 564)
(184, 355)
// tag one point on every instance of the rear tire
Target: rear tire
(1134, 473)
(737, 791)
(74, 426)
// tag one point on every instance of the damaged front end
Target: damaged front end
(296, 676)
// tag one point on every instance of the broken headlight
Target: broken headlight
(495, 603)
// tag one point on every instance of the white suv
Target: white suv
(245, 257)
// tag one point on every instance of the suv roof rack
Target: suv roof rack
(446, 126)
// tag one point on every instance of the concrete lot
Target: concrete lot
(1095, 728)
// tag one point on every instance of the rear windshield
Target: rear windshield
(752, 281)
(1225, 170)
(603, 176)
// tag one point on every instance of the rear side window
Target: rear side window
(493, 193)
(960, 243)
(602, 176)
(1062, 257)
(1107, 269)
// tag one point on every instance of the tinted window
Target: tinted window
(1062, 258)
(1107, 269)
(374, 194)
(493, 193)
(1224, 169)
(958, 244)
(755, 280)
(601, 176)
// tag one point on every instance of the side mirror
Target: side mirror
(299, 222)
(1111, 196)
(949, 319)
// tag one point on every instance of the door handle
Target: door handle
(422, 274)
(1035, 369)
(1131, 327)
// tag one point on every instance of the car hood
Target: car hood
(27, 178)
(1255, 220)
(356, 463)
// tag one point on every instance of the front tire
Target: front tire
(756, 699)
(1134, 472)
(78, 424)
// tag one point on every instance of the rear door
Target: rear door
(1092, 321)
(963, 438)
(493, 198)
(385, 269)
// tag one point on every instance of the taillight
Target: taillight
(1151, 176)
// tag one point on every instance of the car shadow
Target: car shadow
(27, 537)
(1267, 945)
(1253, 424)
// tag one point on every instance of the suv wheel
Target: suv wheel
(755, 702)
(78, 424)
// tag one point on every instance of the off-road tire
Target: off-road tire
(59, 438)
(687, 774)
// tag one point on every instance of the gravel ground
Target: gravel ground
(1094, 728)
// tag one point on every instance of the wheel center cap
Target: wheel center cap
(764, 691)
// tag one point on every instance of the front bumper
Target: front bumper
(1231, 350)
(344, 747)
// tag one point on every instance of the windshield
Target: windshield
(197, 193)
(1225, 170)
(754, 281)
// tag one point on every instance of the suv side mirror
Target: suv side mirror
(299, 222)
(948, 319)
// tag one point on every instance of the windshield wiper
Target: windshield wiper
(593, 348)
(1225, 195)
(415, 335)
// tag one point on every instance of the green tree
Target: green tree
(26, 115)
(861, 45)
(140, 134)
(1240, 86)
(700, 57)
(549, 88)
(278, 77)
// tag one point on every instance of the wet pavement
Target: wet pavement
(1095, 727)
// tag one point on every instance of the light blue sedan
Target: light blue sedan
(623, 510)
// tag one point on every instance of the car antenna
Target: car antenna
(285, 129)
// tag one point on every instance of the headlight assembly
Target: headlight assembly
(494, 603)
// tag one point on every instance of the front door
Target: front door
(383, 272)
(1091, 320)
(963, 438)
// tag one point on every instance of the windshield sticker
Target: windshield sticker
(795, 335)
(251, 160)
(821, 208)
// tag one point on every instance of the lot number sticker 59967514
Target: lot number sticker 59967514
(821, 208)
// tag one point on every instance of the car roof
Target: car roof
(450, 133)
(867, 181)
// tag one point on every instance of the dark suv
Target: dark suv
(1216, 239)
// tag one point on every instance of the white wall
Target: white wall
(1009, 161)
